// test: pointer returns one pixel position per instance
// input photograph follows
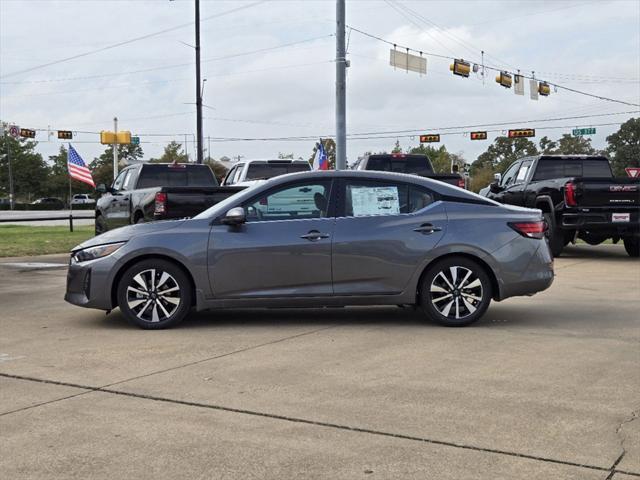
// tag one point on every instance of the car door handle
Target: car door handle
(314, 235)
(427, 229)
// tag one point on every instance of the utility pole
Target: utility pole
(198, 87)
(341, 81)
(115, 148)
(11, 196)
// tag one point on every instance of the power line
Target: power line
(175, 65)
(531, 77)
(131, 40)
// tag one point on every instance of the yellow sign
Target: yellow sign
(109, 138)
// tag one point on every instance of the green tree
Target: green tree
(219, 170)
(503, 152)
(29, 170)
(102, 167)
(397, 148)
(567, 145)
(440, 158)
(480, 178)
(624, 146)
(173, 152)
(329, 145)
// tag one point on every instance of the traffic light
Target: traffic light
(431, 138)
(504, 79)
(478, 135)
(544, 89)
(522, 132)
(123, 137)
(65, 135)
(25, 132)
(460, 67)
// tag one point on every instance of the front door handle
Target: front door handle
(427, 229)
(314, 235)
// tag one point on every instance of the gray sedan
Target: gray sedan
(318, 239)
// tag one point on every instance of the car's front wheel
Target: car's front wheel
(154, 294)
(455, 292)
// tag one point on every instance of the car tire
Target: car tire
(144, 300)
(555, 236)
(632, 246)
(100, 225)
(462, 280)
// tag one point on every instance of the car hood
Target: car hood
(124, 234)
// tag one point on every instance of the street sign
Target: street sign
(408, 62)
(135, 140)
(27, 133)
(14, 131)
(579, 132)
(633, 172)
(431, 138)
(518, 84)
(65, 135)
(533, 89)
(478, 135)
(522, 132)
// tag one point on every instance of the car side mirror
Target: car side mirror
(101, 188)
(494, 187)
(497, 177)
(234, 216)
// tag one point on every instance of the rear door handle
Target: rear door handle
(314, 235)
(427, 229)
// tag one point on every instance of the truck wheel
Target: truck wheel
(101, 225)
(632, 246)
(455, 292)
(554, 236)
(154, 294)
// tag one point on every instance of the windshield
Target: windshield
(262, 171)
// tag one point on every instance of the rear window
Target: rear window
(263, 171)
(560, 168)
(176, 176)
(416, 165)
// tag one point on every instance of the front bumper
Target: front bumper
(87, 284)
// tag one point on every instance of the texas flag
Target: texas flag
(320, 161)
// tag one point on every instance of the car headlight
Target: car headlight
(91, 253)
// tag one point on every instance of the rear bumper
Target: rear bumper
(517, 277)
(602, 220)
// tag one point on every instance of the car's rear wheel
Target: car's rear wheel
(555, 236)
(154, 294)
(455, 292)
(632, 246)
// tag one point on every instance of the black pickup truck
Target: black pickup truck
(579, 197)
(414, 164)
(158, 191)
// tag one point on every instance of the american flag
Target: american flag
(77, 168)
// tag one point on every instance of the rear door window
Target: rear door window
(367, 198)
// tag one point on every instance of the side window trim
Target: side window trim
(228, 179)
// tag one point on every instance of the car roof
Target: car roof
(273, 160)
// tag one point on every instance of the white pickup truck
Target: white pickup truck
(252, 172)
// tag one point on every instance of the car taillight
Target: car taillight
(398, 155)
(530, 229)
(161, 203)
(570, 195)
(461, 182)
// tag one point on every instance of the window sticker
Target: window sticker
(374, 201)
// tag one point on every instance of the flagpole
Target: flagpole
(70, 196)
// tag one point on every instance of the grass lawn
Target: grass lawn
(19, 240)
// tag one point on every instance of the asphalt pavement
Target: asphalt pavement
(544, 387)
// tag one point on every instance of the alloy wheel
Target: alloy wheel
(153, 295)
(456, 292)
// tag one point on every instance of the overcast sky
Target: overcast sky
(592, 46)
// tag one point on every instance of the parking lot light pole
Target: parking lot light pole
(341, 80)
(115, 148)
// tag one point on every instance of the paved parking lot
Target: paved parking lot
(546, 387)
